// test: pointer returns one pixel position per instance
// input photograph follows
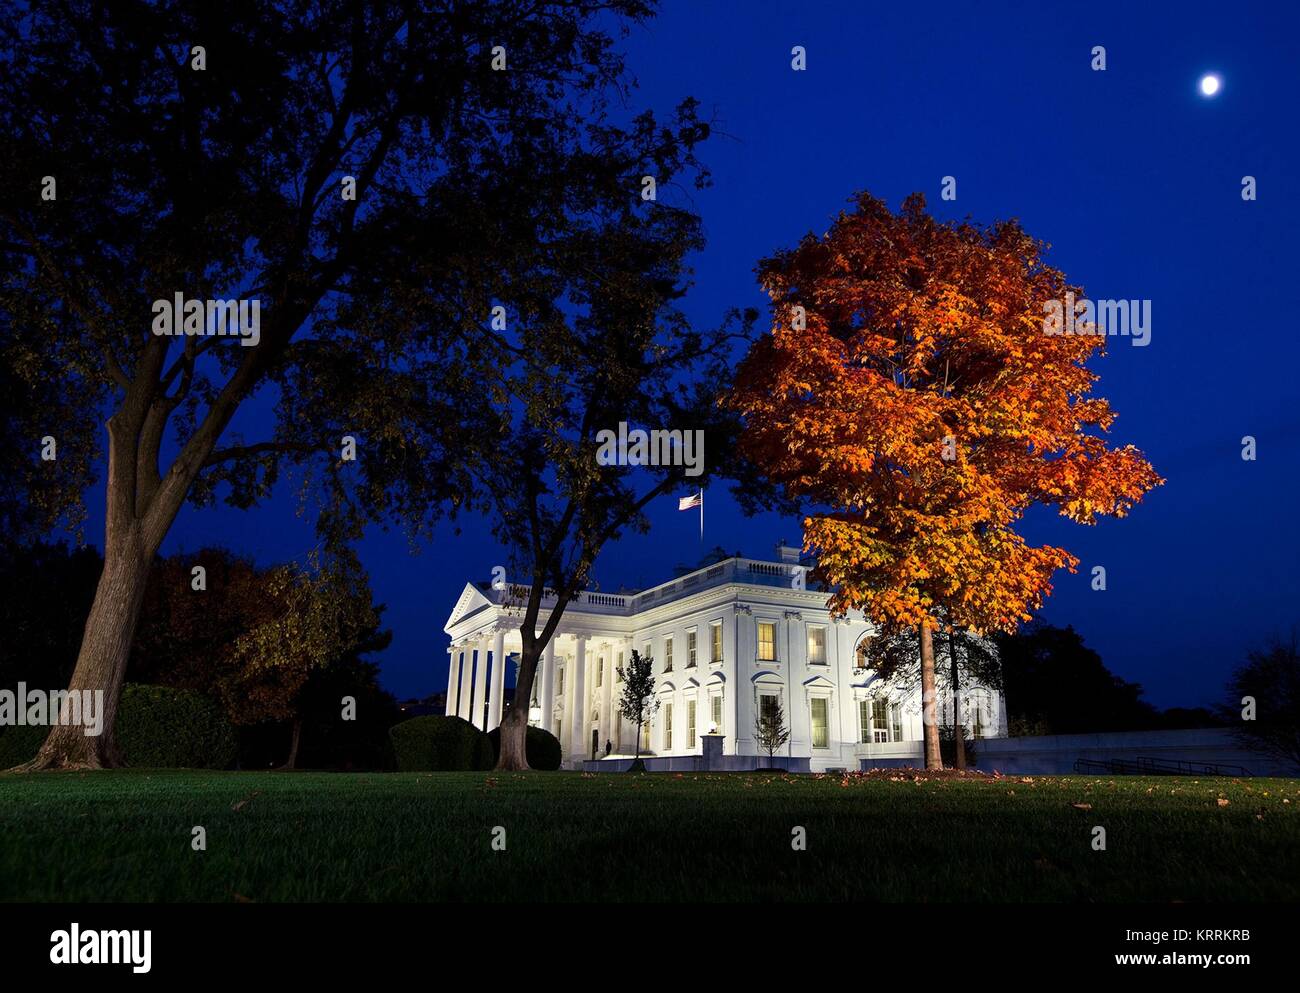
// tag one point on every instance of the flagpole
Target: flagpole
(701, 515)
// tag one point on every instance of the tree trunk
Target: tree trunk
(933, 758)
(514, 722)
(101, 661)
(958, 727)
(291, 762)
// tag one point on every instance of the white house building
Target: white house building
(727, 640)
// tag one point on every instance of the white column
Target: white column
(497, 696)
(466, 687)
(578, 712)
(605, 661)
(453, 680)
(480, 685)
(744, 649)
(548, 684)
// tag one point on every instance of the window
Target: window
(715, 633)
(981, 714)
(766, 641)
(559, 732)
(861, 655)
(668, 727)
(864, 721)
(821, 737)
(896, 721)
(668, 654)
(559, 680)
(716, 705)
(879, 719)
(767, 705)
(690, 649)
(645, 737)
(618, 667)
(690, 723)
(645, 650)
(817, 645)
(600, 672)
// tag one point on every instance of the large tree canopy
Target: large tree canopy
(268, 152)
(577, 332)
(909, 391)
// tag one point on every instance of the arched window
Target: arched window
(862, 653)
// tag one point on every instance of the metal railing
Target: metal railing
(1145, 766)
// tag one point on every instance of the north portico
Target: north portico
(727, 639)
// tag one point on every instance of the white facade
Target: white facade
(723, 638)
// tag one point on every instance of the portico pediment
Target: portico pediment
(470, 601)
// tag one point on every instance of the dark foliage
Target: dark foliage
(440, 744)
(158, 728)
(45, 595)
(541, 747)
(1057, 685)
(1270, 679)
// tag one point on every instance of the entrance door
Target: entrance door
(595, 742)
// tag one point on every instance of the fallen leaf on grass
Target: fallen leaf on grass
(241, 804)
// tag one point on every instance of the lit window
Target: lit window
(668, 654)
(820, 722)
(690, 723)
(600, 672)
(817, 645)
(715, 629)
(864, 721)
(618, 667)
(690, 649)
(880, 719)
(717, 714)
(668, 727)
(766, 641)
(896, 721)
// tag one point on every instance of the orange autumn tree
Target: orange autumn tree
(910, 394)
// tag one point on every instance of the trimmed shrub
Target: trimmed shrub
(541, 748)
(159, 727)
(20, 743)
(440, 744)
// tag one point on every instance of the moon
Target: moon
(1210, 84)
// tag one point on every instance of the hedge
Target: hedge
(541, 748)
(157, 727)
(20, 743)
(440, 744)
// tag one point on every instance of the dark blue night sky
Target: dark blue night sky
(1131, 175)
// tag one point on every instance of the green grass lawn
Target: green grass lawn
(329, 836)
